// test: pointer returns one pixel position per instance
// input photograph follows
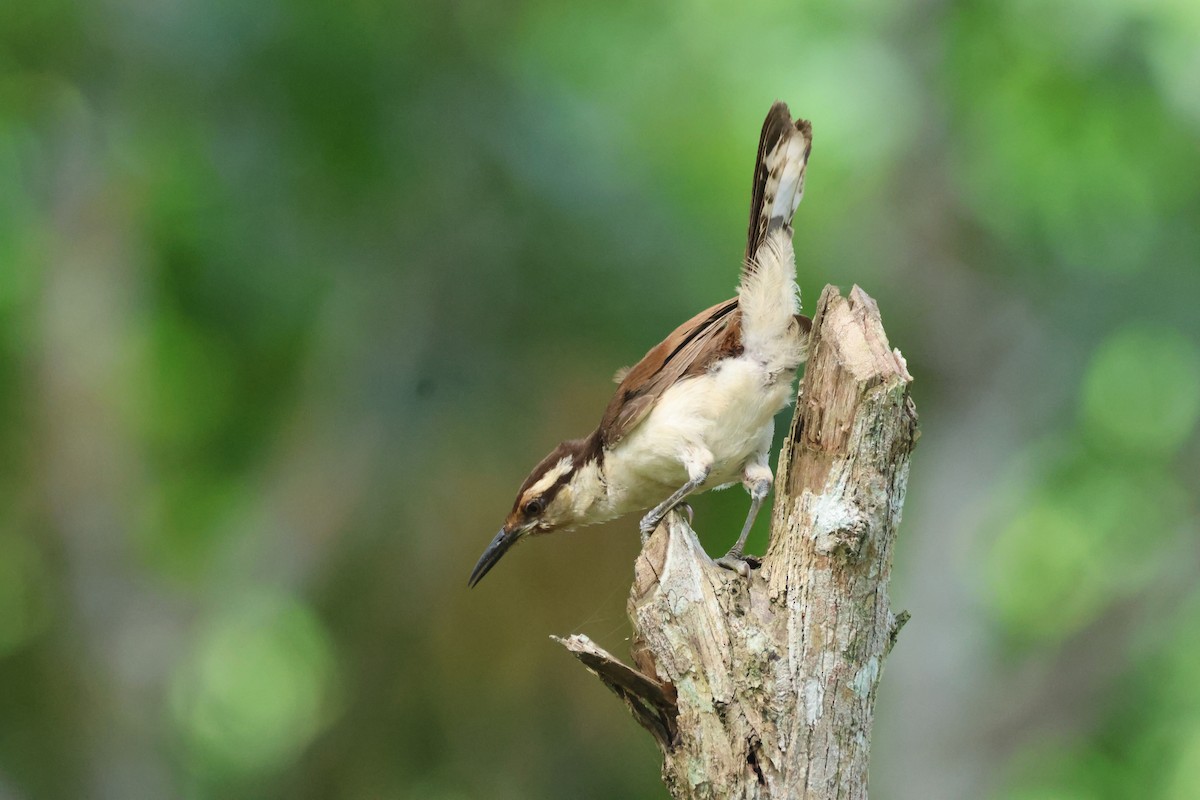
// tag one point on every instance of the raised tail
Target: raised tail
(768, 297)
(783, 150)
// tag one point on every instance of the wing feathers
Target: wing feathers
(689, 350)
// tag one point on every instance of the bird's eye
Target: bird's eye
(533, 507)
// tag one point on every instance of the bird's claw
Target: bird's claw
(735, 564)
(739, 563)
(647, 526)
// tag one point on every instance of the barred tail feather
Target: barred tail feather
(783, 150)
(768, 296)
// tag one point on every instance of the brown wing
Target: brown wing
(689, 350)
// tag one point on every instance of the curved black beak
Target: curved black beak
(499, 546)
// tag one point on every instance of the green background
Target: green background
(294, 293)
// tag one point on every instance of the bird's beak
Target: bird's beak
(499, 546)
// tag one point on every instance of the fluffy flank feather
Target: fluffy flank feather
(769, 300)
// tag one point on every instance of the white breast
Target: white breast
(729, 412)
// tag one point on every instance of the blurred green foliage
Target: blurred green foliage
(250, 697)
(293, 293)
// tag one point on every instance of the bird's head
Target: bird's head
(551, 499)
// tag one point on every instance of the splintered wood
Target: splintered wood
(764, 687)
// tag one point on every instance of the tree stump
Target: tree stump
(764, 686)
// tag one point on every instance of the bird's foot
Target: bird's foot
(739, 562)
(653, 518)
(647, 526)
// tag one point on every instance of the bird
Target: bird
(697, 412)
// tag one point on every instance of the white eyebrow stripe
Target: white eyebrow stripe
(550, 478)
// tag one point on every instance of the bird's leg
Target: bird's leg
(757, 479)
(656, 514)
(698, 463)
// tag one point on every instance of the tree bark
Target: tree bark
(764, 686)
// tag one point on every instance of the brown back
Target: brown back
(690, 349)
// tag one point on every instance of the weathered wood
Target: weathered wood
(764, 687)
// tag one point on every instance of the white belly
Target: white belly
(729, 412)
